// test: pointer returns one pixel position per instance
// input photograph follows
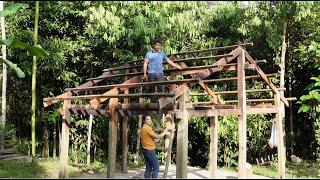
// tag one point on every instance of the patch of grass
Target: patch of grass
(293, 170)
(19, 169)
(41, 169)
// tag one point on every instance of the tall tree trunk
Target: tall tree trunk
(282, 83)
(45, 138)
(89, 139)
(4, 75)
(54, 134)
(34, 71)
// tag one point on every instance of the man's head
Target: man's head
(156, 45)
(147, 120)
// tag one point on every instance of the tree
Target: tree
(34, 80)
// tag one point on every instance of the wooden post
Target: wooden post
(89, 138)
(281, 147)
(64, 141)
(124, 164)
(169, 147)
(182, 136)
(112, 143)
(242, 118)
(136, 161)
(213, 146)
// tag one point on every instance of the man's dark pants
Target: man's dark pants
(156, 77)
(152, 164)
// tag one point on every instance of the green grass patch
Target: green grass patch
(18, 169)
(303, 170)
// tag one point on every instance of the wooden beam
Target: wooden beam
(242, 118)
(235, 78)
(227, 112)
(280, 138)
(110, 96)
(174, 60)
(205, 87)
(186, 71)
(140, 84)
(87, 84)
(264, 77)
(168, 145)
(182, 137)
(125, 119)
(249, 100)
(204, 74)
(213, 156)
(63, 173)
(235, 92)
(203, 50)
(138, 135)
(112, 142)
(95, 102)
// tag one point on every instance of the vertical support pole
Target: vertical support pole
(171, 137)
(213, 146)
(242, 118)
(124, 163)
(138, 135)
(64, 140)
(167, 139)
(112, 143)
(89, 138)
(281, 147)
(182, 137)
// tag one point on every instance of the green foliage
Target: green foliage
(12, 9)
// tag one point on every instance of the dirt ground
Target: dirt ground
(193, 173)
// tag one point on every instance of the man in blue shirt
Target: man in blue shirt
(153, 63)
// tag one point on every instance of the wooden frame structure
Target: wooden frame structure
(115, 101)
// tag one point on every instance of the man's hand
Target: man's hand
(145, 77)
(178, 66)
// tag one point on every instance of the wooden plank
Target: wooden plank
(280, 139)
(7, 151)
(213, 156)
(182, 137)
(242, 118)
(264, 77)
(64, 142)
(112, 142)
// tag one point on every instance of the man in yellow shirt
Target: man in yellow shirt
(148, 137)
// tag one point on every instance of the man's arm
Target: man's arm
(173, 64)
(145, 67)
(158, 136)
